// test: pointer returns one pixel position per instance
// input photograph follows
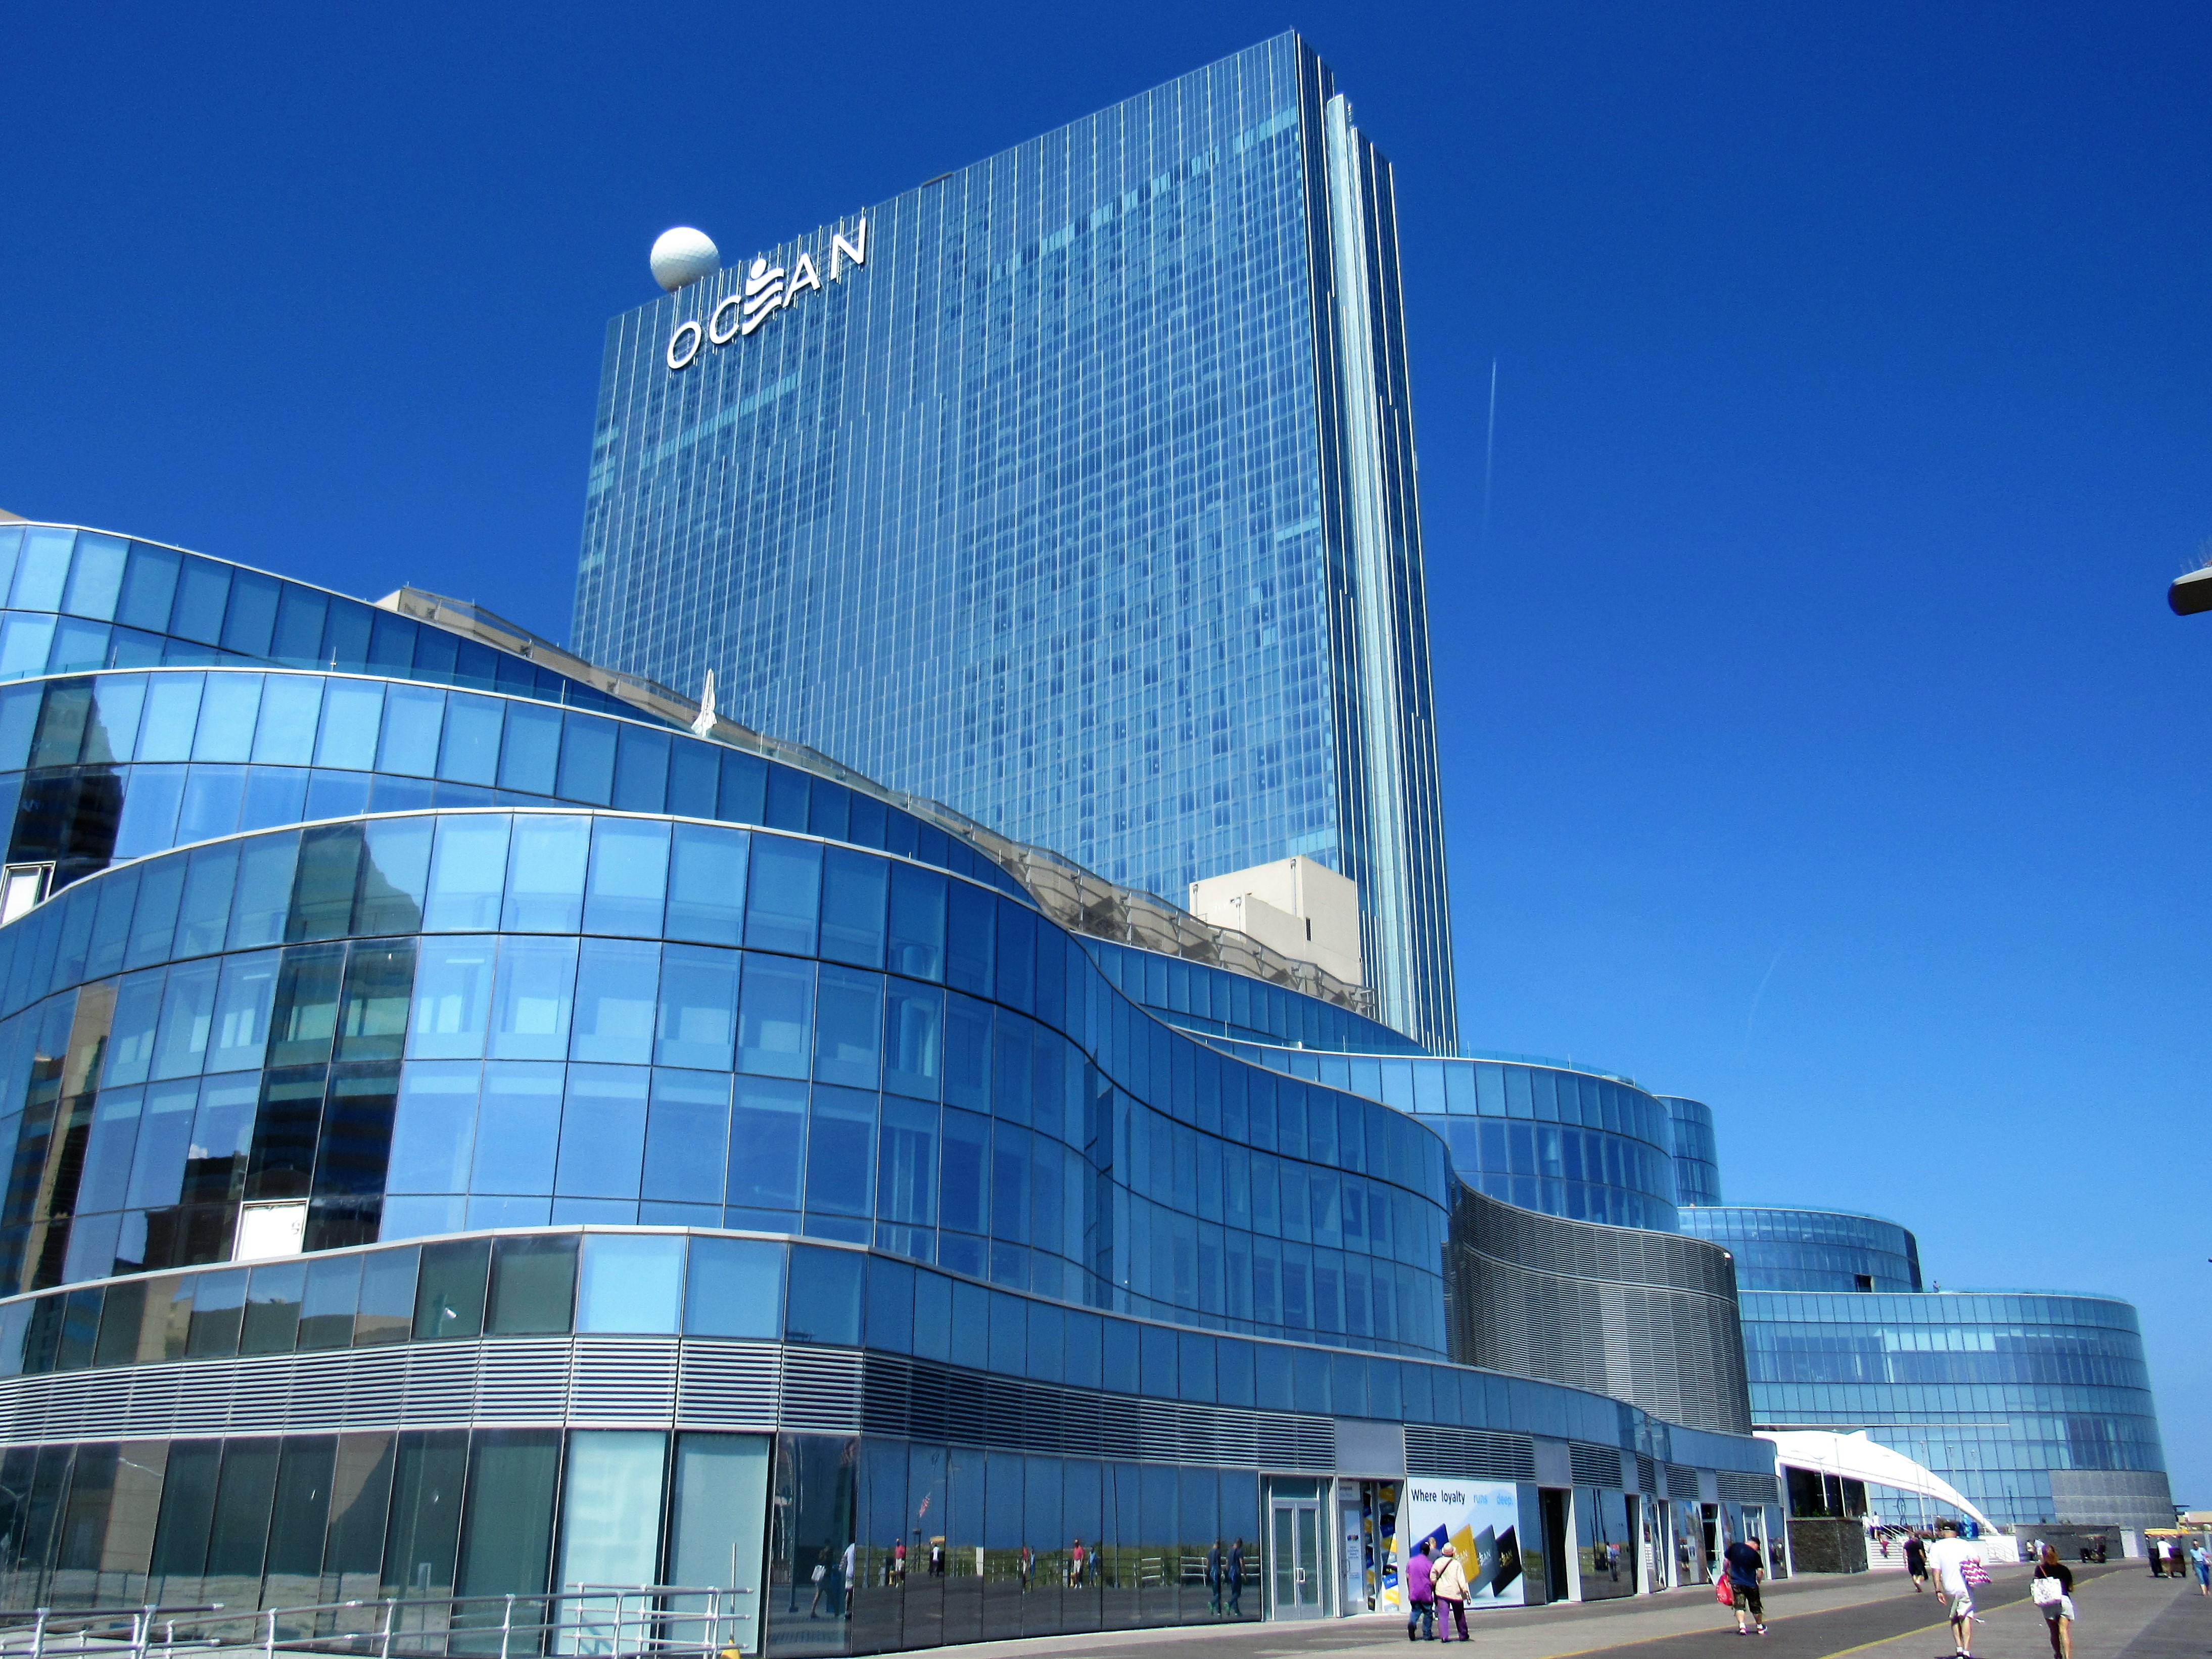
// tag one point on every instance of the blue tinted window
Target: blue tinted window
(469, 749)
(434, 1129)
(96, 576)
(299, 632)
(545, 873)
(616, 991)
(171, 717)
(694, 775)
(518, 1129)
(534, 998)
(707, 884)
(149, 586)
(913, 1028)
(291, 707)
(906, 1187)
(203, 592)
(854, 890)
(686, 1132)
(353, 716)
(848, 1027)
(603, 1131)
(964, 1192)
(840, 1152)
(698, 1008)
(917, 922)
(744, 788)
(630, 1282)
(452, 1001)
(775, 1017)
(823, 1305)
(587, 760)
(783, 895)
(786, 799)
(467, 874)
(42, 570)
(967, 1052)
(642, 770)
(530, 757)
(970, 925)
(734, 1288)
(252, 618)
(768, 1133)
(629, 876)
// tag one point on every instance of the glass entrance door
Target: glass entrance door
(1299, 1567)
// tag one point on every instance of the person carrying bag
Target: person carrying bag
(1451, 1595)
(2052, 1590)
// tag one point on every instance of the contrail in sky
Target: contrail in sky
(1755, 996)
(1489, 449)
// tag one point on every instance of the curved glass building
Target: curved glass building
(2037, 1405)
(1697, 1153)
(467, 1133)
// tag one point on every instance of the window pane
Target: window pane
(777, 1017)
(685, 1135)
(914, 1021)
(242, 1007)
(394, 874)
(546, 874)
(471, 749)
(534, 1285)
(228, 709)
(611, 1515)
(467, 874)
(531, 755)
(735, 1288)
(533, 998)
(353, 714)
(372, 1014)
(631, 1282)
(432, 1133)
(587, 760)
(854, 890)
(187, 1018)
(452, 1001)
(449, 1292)
(917, 922)
(848, 1027)
(603, 1131)
(615, 992)
(96, 576)
(767, 1131)
(628, 876)
(306, 1016)
(698, 1007)
(706, 885)
(272, 1308)
(642, 770)
(518, 1128)
(261, 906)
(824, 1300)
(906, 1187)
(783, 895)
(840, 1152)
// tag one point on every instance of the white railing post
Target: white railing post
(506, 1624)
(384, 1641)
(269, 1636)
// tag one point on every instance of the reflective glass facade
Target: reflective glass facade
(1075, 488)
(1809, 1250)
(1581, 1145)
(1697, 1153)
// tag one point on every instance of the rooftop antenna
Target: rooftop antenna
(704, 725)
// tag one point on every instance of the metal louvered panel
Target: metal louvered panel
(1472, 1454)
(822, 1389)
(1593, 1466)
(1737, 1488)
(728, 1385)
(321, 1387)
(441, 1386)
(1682, 1480)
(376, 1385)
(623, 1380)
(524, 1381)
(1647, 1475)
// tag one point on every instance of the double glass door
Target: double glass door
(1299, 1557)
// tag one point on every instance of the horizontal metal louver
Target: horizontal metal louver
(523, 1381)
(1593, 1466)
(1737, 1488)
(728, 1385)
(1647, 1474)
(618, 1379)
(1682, 1480)
(1475, 1454)
(822, 1389)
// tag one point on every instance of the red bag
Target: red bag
(1723, 1592)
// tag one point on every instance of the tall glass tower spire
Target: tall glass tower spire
(1075, 488)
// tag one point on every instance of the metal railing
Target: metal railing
(593, 1621)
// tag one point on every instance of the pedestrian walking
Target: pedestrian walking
(1745, 1566)
(1077, 1560)
(1215, 1574)
(2201, 1558)
(1948, 1556)
(1449, 1587)
(1420, 1595)
(1237, 1579)
(2051, 1587)
(2157, 1553)
(1916, 1561)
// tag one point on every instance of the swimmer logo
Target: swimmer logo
(768, 289)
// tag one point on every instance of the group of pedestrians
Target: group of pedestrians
(2169, 1560)
(1435, 1577)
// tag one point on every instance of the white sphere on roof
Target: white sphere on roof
(681, 256)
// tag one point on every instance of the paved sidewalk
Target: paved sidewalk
(2124, 1614)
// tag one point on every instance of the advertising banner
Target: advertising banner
(1481, 1521)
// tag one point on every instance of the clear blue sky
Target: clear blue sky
(1817, 742)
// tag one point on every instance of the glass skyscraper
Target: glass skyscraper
(1075, 488)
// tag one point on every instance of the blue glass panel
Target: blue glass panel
(252, 618)
(642, 770)
(213, 798)
(470, 753)
(434, 1129)
(734, 1287)
(172, 707)
(19, 718)
(616, 990)
(840, 1151)
(165, 1141)
(533, 998)
(964, 1192)
(291, 707)
(848, 1027)
(530, 755)
(353, 716)
(917, 922)
(824, 1303)
(299, 633)
(775, 1017)
(587, 759)
(787, 791)
(971, 925)
(25, 642)
(149, 586)
(967, 1053)
(42, 571)
(453, 1002)
(96, 576)
(413, 718)
(854, 890)
(783, 895)
(706, 885)
(545, 873)
(768, 1136)
(631, 1282)
(603, 1131)
(694, 775)
(628, 878)
(203, 592)
(240, 1022)
(391, 643)
(913, 1024)
(697, 1024)
(468, 873)
(686, 1137)
(518, 1128)
(906, 1189)
(743, 796)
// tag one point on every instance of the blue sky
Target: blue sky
(1816, 740)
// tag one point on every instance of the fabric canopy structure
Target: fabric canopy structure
(1855, 1458)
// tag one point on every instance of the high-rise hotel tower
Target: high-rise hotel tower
(1075, 488)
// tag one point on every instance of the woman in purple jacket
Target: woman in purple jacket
(1420, 1595)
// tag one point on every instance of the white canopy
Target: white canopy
(1855, 1458)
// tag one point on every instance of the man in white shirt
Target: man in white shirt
(1946, 1561)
